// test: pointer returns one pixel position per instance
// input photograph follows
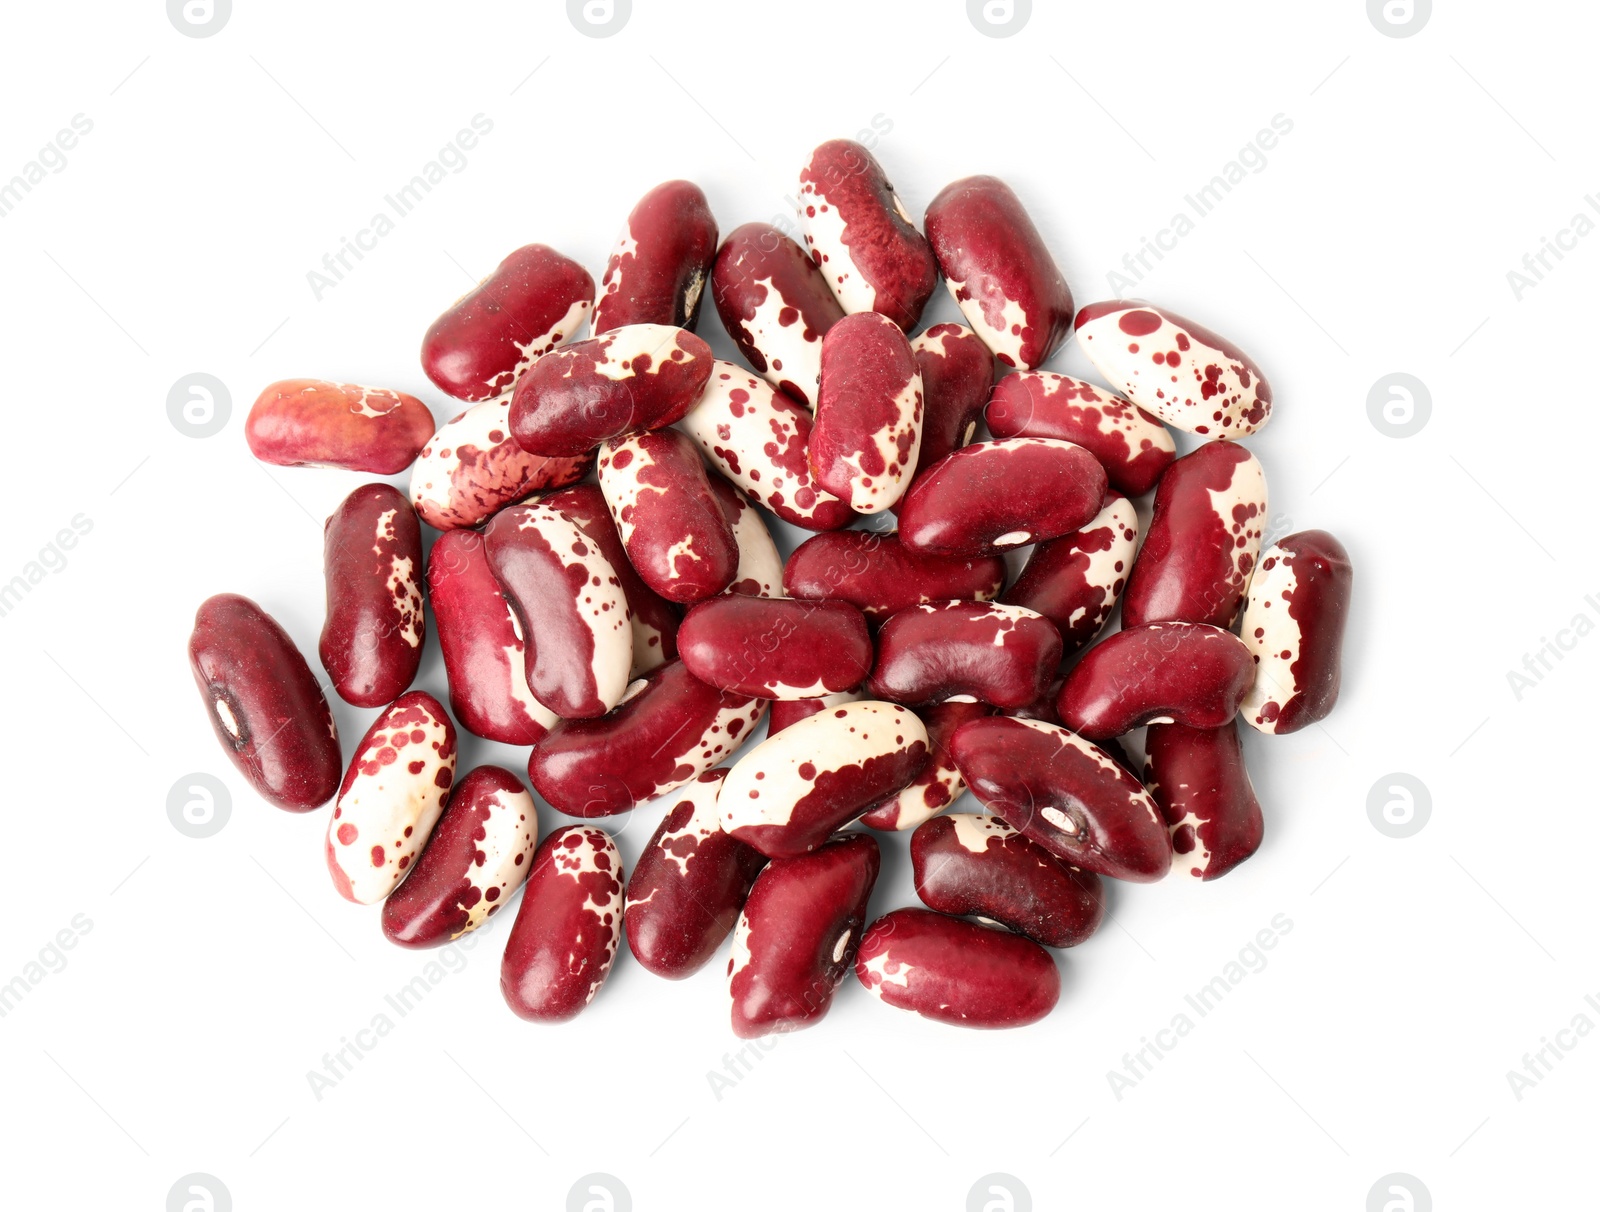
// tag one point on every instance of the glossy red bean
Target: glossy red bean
(658, 270)
(1198, 777)
(786, 795)
(1294, 624)
(372, 636)
(669, 729)
(776, 306)
(939, 785)
(644, 376)
(992, 496)
(565, 936)
(1160, 673)
(535, 300)
(314, 423)
(999, 271)
(797, 935)
(785, 712)
(881, 576)
(760, 572)
(689, 884)
(480, 852)
(956, 972)
(861, 237)
(264, 704)
(864, 446)
(1075, 581)
(1205, 534)
(957, 369)
(976, 865)
(776, 648)
(1133, 447)
(1066, 794)
(1001, 655)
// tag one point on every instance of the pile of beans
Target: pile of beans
(605, 590)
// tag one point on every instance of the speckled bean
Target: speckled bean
(785, 712)
(1001, 655)
(1294, 624)
(957, 370)
(864, 445)
(760, 572)
(776, 648)
(1157, 673)
(658, 270)
(881, 576)
(314, 423)
(1198, 777)
(939, 785)
(1075, 581)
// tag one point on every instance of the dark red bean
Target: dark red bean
(881, 576)
(658, 271)
(1160, 673)
(939, 785)
(1294, 625)
(776, 648)
(957, 369)
(864, 446)
(1198, 777)
(314, 423)
(1001, 655)
(1075, 581)
(372, 637)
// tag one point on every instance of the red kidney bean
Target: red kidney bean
(1185, 374)
(480, 852)
(757, 438)
(673, 527)
(1042, 708)
(314, 423)
(655, 620)
(939, 785)
(535, 300)
(659, 268)
(473, 467)
(957, 972)
(1001, 655)
(957, 369)
(881, 576)
(264, 704)
(393, 792)
(1158, 673)
(689, 884)
(776, 306)
(860, 236)
(973, 865)
(790, 792)
(776, 648)
(480, 638)
(1205, 532)
(797, 935)
(760, 572)
(644, 376)
(1075, 581)
(1133, 447)
(1065, 794)
(1294, 624)
(570, 603)
(565, 936)
(784, 712)
(372, 638)
(669, 728)
(869, 413)
(992, 496)
(999, 271)
(1198, 777)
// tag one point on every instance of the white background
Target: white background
(1377, 238)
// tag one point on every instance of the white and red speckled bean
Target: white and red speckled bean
(667, 730)
(1157, 673)
(372, 636)
(1294, 624)
(860, 236)
(1069, 796)
(957, 371)
(785, 712)
(993, 496)
(658, 270)
(785, 796)
(570, 603)
(1001, 655)
(864, 446)
(1185, 374)
(315, 423)
(676, 534)
(642, 376)
(393, 792)
(1075, 581)
(957, 972)
(776, 648)
(776, 306)
(1204, 536)
(473, 467)
(1133, 446)
(535, 300)
(760, 572)
(1198, 777)
(881, 576)
(688, 886)
(797, 935)
(480, 852)
(757, 436)
(939, 785)
(565, 937)
(999, 271)
(976, 865)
